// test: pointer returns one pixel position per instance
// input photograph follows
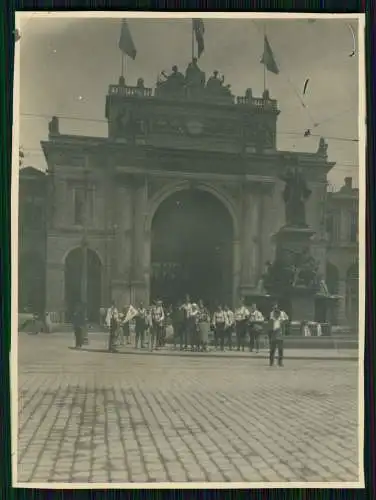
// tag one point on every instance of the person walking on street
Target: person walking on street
(112, 321)
(278, 319)
(229, 328)
(256, 321)
(79, 325)
(241, 319)
(219, 323)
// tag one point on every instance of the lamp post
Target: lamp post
(84, 249)
(114, 229)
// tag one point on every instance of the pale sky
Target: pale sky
(67, 65)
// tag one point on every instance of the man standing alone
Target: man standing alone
(278, 319)
(79, 324)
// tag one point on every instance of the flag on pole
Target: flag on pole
(268, 59)
(199, 30)
(132, 312)
(126, 44)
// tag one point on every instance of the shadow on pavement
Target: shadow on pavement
(214, 354)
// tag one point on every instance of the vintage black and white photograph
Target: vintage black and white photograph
(188, 270)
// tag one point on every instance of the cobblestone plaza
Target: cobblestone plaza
(89, 416)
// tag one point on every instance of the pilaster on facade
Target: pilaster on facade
(55, 281)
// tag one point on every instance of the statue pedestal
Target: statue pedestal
(294, 239)
(302, 305)
(292, 278)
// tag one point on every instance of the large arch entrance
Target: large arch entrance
(73, 283)
(31, 283)
(192, 249)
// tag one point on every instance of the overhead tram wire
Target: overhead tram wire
(99, 120)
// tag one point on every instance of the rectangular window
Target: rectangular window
(79, 206)
(353, 227)
(83, 206)
(333, 226)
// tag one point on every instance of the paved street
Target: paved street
(89, 416)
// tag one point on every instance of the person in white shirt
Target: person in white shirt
(256, 321)
(230, 323)
(219, 324)
(194, 317)
(241, 318)
(112, 321)
(158, 318)
(188, 323)
(278, 320)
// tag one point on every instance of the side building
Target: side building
(342, 270)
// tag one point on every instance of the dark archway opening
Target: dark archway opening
(73, 281)
(31, 283)
(191, 249)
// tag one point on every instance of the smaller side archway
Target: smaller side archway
(73, 274)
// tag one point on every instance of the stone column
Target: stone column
(341, 307)
(236, 256)
(64, 203)
(124, 221)
(250, 236)
(271, 214)
(139, 213)
(55, 287)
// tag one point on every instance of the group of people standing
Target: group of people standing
(192, 323)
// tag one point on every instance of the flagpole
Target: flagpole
(193, 43)
(264, 63)
(122, 65)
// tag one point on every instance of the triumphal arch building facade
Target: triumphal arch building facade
(183, 196)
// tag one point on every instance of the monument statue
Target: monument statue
(215, 83)
(173, 84)
(248, 95)
(322, 150)
(295, 195)
(194, 77)
(53, 126)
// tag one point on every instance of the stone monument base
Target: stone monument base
(302, 305)
(294, 239)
